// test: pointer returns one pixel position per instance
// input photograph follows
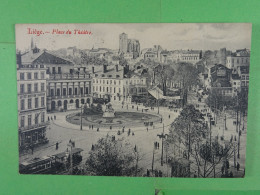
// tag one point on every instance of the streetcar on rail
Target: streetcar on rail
(51, 164)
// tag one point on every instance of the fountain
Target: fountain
(108, 118)
(109, 113)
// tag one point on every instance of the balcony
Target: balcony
(33, 127)
(69, 76)
(70, 96)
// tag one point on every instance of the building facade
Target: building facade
(31, 89)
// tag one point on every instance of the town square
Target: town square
(133, 110)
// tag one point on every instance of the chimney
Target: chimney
(93, 69)
(104, 68)
(117, 67)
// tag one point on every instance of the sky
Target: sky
(171, 36)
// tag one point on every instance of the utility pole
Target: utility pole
(81, 117)
(158, 100)
(136, 166)
(162, 146)
(237, 130)
(71, 166)
(153, 156)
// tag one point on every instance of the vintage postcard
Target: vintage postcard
(139, 100)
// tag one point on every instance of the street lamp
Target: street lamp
(81, 116)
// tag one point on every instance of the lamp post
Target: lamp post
(81, 117)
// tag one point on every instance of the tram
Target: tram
(51, 164)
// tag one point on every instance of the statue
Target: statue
(109, 111)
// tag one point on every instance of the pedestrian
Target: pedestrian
(158, 145)
(147, 129)
(48, 118)
(110, 127)
(133, 133)
(238, 166)
(57, 146)
(169, 116)
(142, 110)
(137, 108)
(92, 126)
(54, 117)
(51, 118)
(92, 147)
(97, 129)
(123, 130)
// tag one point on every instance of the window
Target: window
(42, 86)
(114, 89)
(29, 88)
(42, 117)
(93, 88)
(36, 75)
(86, 90)
(29, 103)
(22, 104)
(42, 101)
(21, 88)
(238, 61)
(76, 91)
(36, 102)
(58, 92)
(35, 87)
(21, 76)
(42, 75)
(52, 92)
(22, 121)
(59, 70)
(64, 92)
(93, 80)
(53, 70)
(29, 75)
(29, 120)
(36, 118)
(70, 91)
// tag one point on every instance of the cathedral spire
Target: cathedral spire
(32, 46)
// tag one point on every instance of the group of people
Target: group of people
(54, 118)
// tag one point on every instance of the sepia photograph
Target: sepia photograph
(135, 100)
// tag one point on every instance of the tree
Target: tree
(112, 157)
(164, 74)
(188, 129)
(187, 75)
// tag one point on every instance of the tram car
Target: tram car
(51, 164)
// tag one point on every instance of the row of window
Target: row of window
(29, 75)
(119, 82)
(36, 119)
(29, 103)
(105, 89)
(242, 60)
(105, 81)
(70, 92)
(29, 88)
(190, 58)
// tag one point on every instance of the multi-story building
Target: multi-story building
(190, 56)
(31, 89)
(237, 59)
(68, 86)
(153, 54)
(112, 82)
